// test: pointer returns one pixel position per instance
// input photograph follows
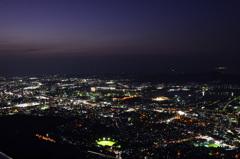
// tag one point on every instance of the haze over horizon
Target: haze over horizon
(117, 36)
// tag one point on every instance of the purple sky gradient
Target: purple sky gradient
(71, 29)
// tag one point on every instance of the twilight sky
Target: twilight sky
(73, 36)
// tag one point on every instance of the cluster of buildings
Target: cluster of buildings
(133, 119)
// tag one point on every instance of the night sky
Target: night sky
(115, 36)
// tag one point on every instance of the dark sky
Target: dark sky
(73, 36)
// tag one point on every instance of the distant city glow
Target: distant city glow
(27, 104)
(160, 98)
(132, 118)
(180, 112)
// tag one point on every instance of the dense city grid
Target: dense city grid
(119, 117)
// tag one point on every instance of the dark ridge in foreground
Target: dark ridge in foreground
(18, 140)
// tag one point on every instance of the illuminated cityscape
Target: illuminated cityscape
(121, 79)
(122, 117)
